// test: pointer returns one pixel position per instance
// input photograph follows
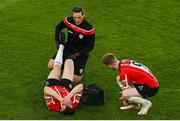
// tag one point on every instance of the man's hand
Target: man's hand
(66, 101)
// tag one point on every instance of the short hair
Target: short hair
(109, 58)
(68, 111)
(78, 9)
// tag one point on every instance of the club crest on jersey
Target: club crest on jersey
(70, 86)
(81, 71)
(80, 36)
(70, 31)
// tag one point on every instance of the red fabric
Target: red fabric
(137, 74)
(80, 30)
(54, 104)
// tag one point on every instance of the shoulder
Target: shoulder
(88, 28)
(87, 25)
(125, 65)
(85, 28)
(68, 19)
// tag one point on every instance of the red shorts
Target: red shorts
(54, 104)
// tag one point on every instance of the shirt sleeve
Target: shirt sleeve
(124, 80)
(58, 29)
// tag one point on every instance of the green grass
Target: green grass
(144, 30)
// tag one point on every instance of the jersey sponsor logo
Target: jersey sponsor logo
(80, 36)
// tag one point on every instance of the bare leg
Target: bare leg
(77, 79)
(130, 92)
(50, 64)
(68, 70)
(55, 73)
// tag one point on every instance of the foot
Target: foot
(129, 107)
(145, 108)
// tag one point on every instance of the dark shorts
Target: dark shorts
(146, 91)
(64, 82)
(79, 62)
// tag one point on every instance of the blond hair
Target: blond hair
(109, 58)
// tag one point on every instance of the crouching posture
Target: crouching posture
(59, 94)
(137, 83)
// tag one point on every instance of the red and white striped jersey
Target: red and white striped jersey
(136, 73)
(55, 105)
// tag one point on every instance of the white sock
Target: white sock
(138, 100)
(59, 57)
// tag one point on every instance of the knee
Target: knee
(50, 64)
(69, 61)
(125, 95)
(56, 69)
(77, 78)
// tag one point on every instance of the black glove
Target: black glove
(60, 39)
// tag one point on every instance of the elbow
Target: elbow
(46, 89)
(81, 86)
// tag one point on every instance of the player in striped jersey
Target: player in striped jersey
(136, 80)
(59, 94)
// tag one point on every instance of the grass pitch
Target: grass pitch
(143, 30)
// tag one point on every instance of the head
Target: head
(110, 61)
(78, 15)
(67, 109)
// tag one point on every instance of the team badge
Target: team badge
(80, 36)
(70, 86)
(70, 31)
(81, 71)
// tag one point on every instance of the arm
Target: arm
(50, 92)
(58, 33)
(76, 90)
(119, 82)
(123, 81)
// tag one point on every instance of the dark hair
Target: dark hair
(68, 111)
(78, 9)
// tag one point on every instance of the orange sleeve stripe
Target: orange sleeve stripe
(77, 29)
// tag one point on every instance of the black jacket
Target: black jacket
(81, 38)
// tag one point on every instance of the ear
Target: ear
(84, 15)
(109, 66)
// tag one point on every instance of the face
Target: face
(113, 66)
(78, 18)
